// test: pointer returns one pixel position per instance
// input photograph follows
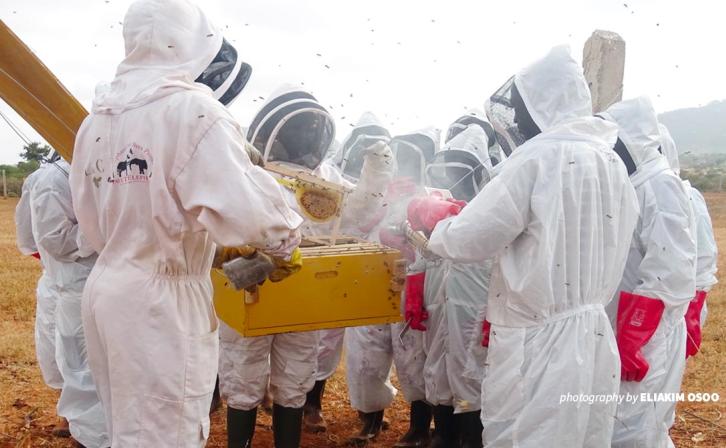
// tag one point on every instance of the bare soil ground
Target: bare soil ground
(27, 406)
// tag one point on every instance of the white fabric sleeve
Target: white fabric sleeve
(236, 202)
(55, 223)
(706, 263)
(493, 219)
(666, 270)
(24, 222)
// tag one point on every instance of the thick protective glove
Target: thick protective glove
(638, 319)
(225, 254)
(397, 241)
(285, 268)
(415, 311)
(486, 328)
(693, 323)
(425, 212)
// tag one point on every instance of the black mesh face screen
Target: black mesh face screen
(265, 128)
(220, 68)
(303, 140)
(459, 172)
(219, 71)
(408, 160)
(237, 85)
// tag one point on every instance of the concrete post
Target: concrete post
(604, 63)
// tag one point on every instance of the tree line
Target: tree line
(33, 155)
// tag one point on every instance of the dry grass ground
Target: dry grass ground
(27, 411)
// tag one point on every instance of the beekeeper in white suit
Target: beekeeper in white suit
(658, 282)
(706, 249)
(454, 295)
(46, 302)
(67, 260)
(558, 219)
(154, 168)
(292, 128)
(372, 350)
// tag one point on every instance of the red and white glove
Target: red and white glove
(693, 323)
(638, 319)
(486, 328)
(415, 312)
(426, 211)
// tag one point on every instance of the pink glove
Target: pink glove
(415, 311)
(638, 319)
(693, 323)
(425, 212)
(486, 327)
(398, 242)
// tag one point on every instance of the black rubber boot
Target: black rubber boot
(419, 430)
(313, 420)
(469, 429)
(372, 426)
(444, 429)
(240, 427)
(286, 426)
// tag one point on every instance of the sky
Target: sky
(412, 63)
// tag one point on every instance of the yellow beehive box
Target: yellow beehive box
(345, 285)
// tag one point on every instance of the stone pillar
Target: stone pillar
(604, 63)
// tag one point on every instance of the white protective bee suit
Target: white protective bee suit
(372, 350)
(660, 265)
(155, 167)
(558, 219)
(706, 263)
(68, 261)
(456, 292)
(292, 362)
(707, 259)
(46, 302)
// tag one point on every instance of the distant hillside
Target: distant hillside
(699, 129)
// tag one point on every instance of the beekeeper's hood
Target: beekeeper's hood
(169, 45)
(638, 134)
(366, 132)
(553, 90)
(292, 127)
(668, 148)
(462, 166)
(414, 151)
(475, 117)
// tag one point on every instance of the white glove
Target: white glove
(380, 157)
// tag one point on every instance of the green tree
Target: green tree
(35, 152)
